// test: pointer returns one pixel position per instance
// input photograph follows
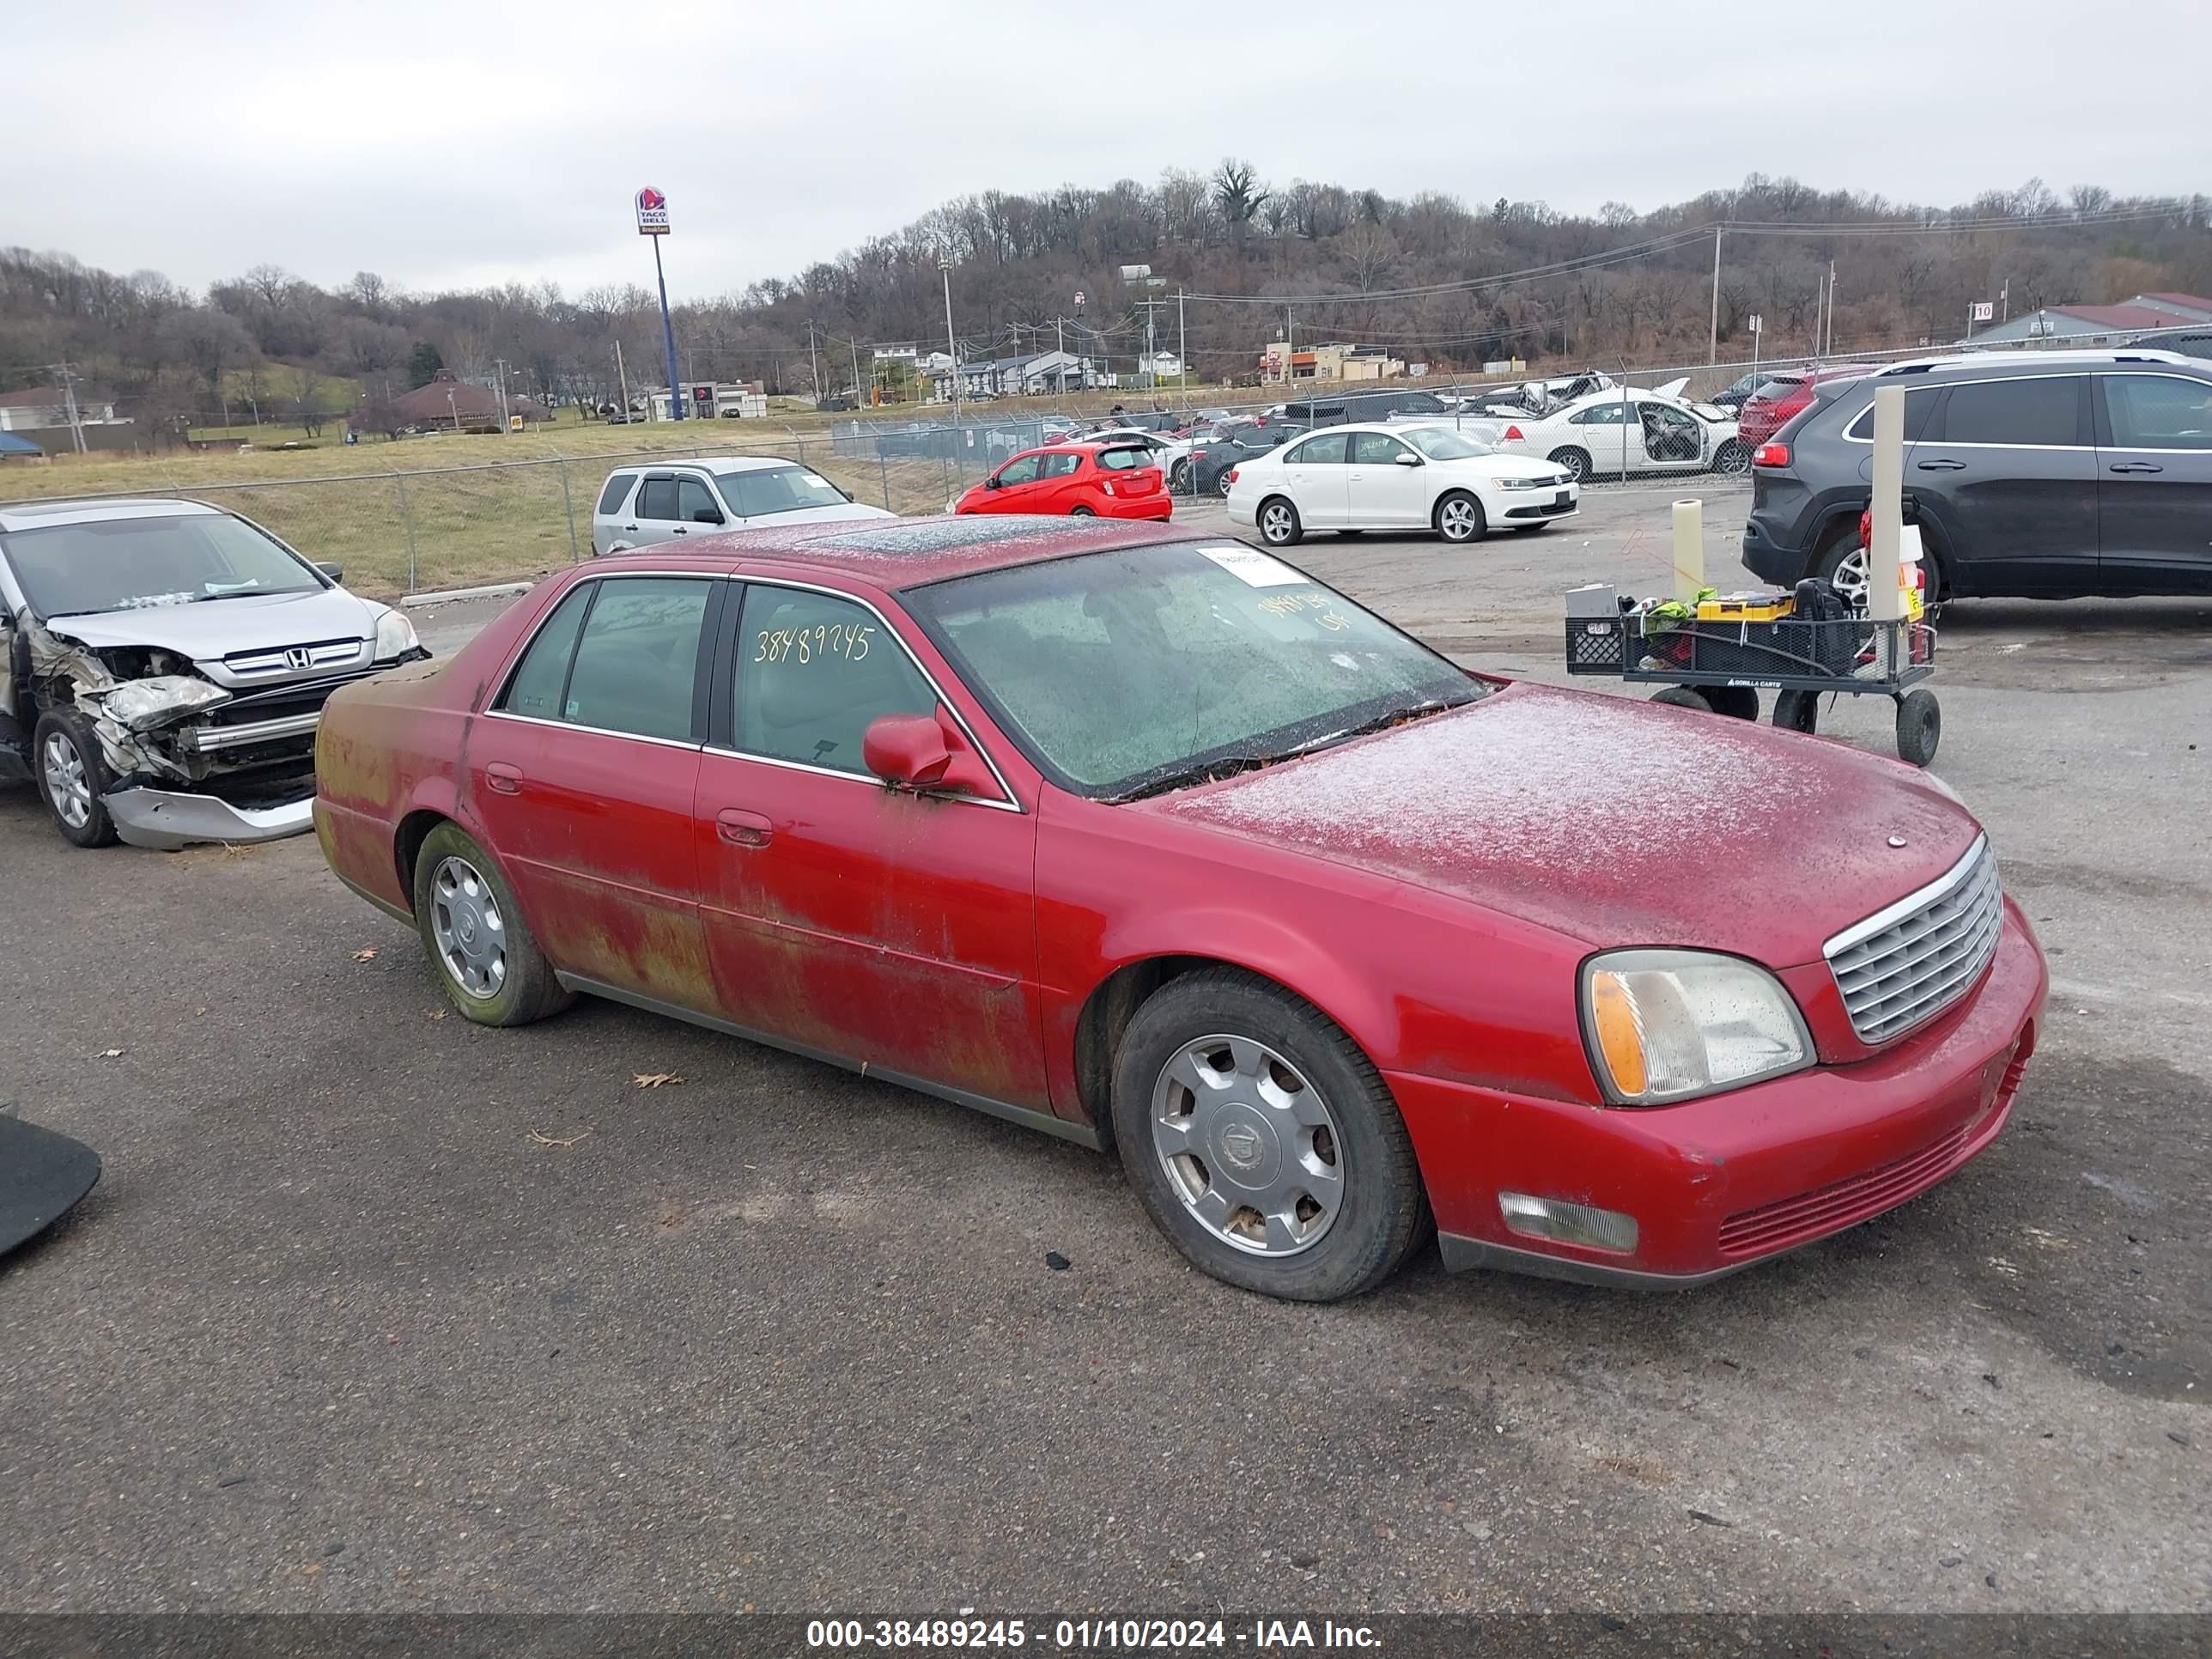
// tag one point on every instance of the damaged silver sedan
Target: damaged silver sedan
(166, 667)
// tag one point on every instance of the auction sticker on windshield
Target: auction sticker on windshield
(1254, 568)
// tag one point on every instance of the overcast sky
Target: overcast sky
(462, 143)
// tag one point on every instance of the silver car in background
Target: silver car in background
(166, 666)
(642, 505)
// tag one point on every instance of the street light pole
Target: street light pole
(951, 340)
(505, 418)
(1713, 345)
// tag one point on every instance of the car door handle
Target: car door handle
(741, 828)
(1942, 466)
(2136, 467)
(680, 531)
(629, 526)
(503, 780)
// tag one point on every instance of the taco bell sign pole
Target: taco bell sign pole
(653, 221)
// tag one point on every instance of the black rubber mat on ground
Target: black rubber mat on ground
(41, 1174)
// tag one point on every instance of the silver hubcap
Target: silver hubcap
(1573, 464)
(1735, 459)
(67, 786)
(1223, 485)
(1275, 522)
(1851, 580)
(470, 933)
(1458, 519)
(1249, 1145)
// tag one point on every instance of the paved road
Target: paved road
(376, 1310)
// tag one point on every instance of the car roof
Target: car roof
(96, 509)
(1964, 363)
(902, 553)
(715, 463)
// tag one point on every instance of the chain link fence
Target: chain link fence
(398, 530)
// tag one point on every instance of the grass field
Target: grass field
(456, 509)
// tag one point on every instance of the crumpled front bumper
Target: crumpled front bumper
(166, 821)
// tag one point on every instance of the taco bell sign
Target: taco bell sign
(652, 213)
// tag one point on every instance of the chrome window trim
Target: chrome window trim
(596, 731)
(1911, 904)
(1988, 379)
(1012, 802)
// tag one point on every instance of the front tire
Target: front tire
(1083, 513)
(1179, 479)
(1263, 1142)
(1576, 461)
(73, 777)
(1732, 459)
(1280, 525)
(1459, 518)
(490, 967)
(1683, 697)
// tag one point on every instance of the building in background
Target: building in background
(46, 406)
(1335, 361)
(2096, 325)
(448, 403)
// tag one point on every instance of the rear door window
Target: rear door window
(1326, 450)
(543, 674)
(636, 666)
(2044, 411)
(656, 497)
(1062, 462)
(615, 493)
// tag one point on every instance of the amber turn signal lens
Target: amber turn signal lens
(1619, 1032)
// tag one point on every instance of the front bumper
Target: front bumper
(1718, 1184)
(166, 821)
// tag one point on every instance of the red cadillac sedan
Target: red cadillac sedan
(1074, 480)
(1153, 842)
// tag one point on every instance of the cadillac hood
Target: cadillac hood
(210, 630)
(1613, 822)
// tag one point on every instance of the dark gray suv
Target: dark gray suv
(2044, 475)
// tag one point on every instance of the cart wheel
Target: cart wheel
(1682, 696)
(1738, 703)
(1919, 726)
(1797, 711)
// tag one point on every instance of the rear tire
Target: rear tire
(1577, 461)
(1083, 513)
(487, 963)
(1797, 711)
(1280, 1083)
(1732, 459)
(1280, 525)
(1682, 696)
(1459, 517)
(1738, 703)
(1179, 479)
(73, 777)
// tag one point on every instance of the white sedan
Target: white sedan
(1601, 435)
(1351, 478)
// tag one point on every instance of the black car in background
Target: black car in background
(1364, 406)
(2044, 475)
(1206, 471)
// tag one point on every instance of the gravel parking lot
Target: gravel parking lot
(378, 1310)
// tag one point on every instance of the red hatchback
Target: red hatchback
(1782, 396)
(1152, 841)
(1079, 480)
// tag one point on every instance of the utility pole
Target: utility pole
(815, 358)
(1713, 346)
(621, 379)
(951, 340)
(1182, 349)
(854, 341)
(1060, 345)
(505, 420)
(1831, 308)
(69, 398)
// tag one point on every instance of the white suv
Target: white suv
(644, 504)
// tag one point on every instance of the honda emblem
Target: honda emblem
(297, 657)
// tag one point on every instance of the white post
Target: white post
(1689, 550)
(951, 340)
(1885, 602)
(1713, 346)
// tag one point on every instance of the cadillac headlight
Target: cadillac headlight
(1669, 1025)
(395, 635)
